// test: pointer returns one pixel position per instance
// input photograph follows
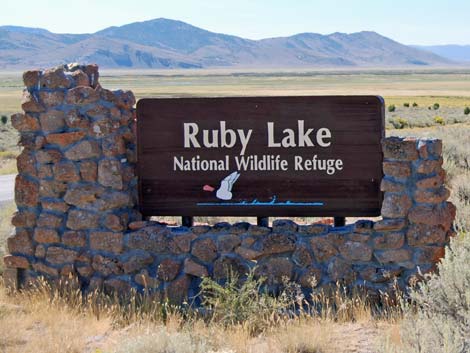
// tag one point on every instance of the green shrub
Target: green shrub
(391, 108)
(435, 106)
(415, 104)
(406, 105)
(244, 302)
(439, 120)
(399, 123)
(466, 111)
(4, 119)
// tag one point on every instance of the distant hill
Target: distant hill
(457, 53)
(164, 43)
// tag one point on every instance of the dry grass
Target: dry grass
(8, 166)
(8, 149)
(304, 336)
(290, 82)
(428, 101)
(33, 325)
(8, 135)
(6, 211)
(8, 162)
(64, 320)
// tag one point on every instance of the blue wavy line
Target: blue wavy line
(255, 202)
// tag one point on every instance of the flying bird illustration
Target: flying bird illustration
(225, 190)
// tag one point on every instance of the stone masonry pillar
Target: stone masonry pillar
(415, 206)
(76, 185)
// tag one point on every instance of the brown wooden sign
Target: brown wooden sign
(261, 156)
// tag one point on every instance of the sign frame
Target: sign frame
(370, 110)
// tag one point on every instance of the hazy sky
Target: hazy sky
(407, 21)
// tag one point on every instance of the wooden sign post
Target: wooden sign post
(261, 156)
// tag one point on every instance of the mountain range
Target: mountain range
(454, 52)
(163, 43)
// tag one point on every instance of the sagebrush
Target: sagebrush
(437, 314)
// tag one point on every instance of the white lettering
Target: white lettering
(329, 166)
(190, 132)
(215, 138)
(244, 139)
(198, 164)
(323, 133)
(304, 138)
(271, 142)
(289, 139)
(225, 138)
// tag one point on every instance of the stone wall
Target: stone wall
(77, 209)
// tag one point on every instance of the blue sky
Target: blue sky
(407, 21)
